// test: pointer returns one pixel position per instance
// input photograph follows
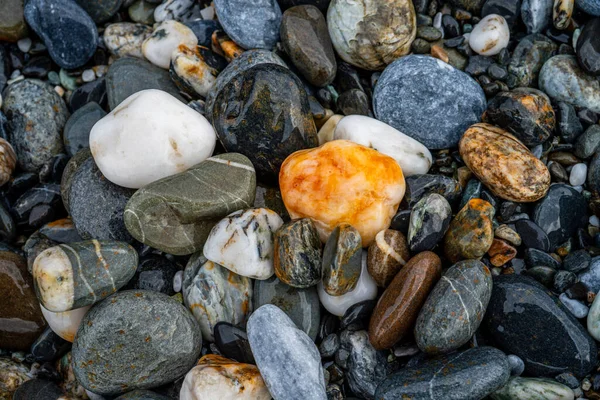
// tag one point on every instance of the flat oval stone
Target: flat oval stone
(243, 242)
(519, 309)
(455, 308)
(19, 306)
(341, 260)
(562, 79)
(371, 34)
(316, 184)
(146, 330)
(37, 389)
(65, 324)
(251, 25)
(287, 358)
(419, 186)
(420, 96)
(504, 164)
(124, 39)
(76, 134)
(468, 375)
(518, 388)
(65, 28)
(528, 58)
(386, 256)
(429, 221)
(79, 274)
(36, 117)
(263, 113)
(189, 204)
(398, 308)
(213, 294)
(490, 35)
(12, 22)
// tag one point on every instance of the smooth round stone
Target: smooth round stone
(528, 58)
(251, 25)
(471, 232)
(455, 308)
(76, 134)
(562, 211)
(386, 256)
(588, 47)
(504, 164)
(519, 310)
(578, 174)
(397, 310)
(371, 34)
(421, 96)
(166, 39)
(577, 308)
(517, 366)
(588, 142)
(190, 203)
(48, 347)
(129, 75)
(263, 113)
(65, 324)
(365, 289)
(36, 116)
(243, 242)
(591, 7)
(591, 276)
(19, 306)
(412, 156)
(124, 39)
(328, 185)
(190, 72)
(155, 273)
(145, 330)
(341, 260)
(429, 221)
(96, 204)
(533, 236)
(233, 342)
(75, 275)
(593, 319)
(149, 136)
(518, 388)
(142, 394)
(490, 35)
(536, 14)
(100, 10)
(563, 80)
(419, 186)
(306, 40)
(38, 389)
(524, 112)
(225, 379)
(287, 358)
(12, 22)
(468, 375)
(213, 294)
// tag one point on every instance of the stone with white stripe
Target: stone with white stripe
(454, 308)
(387, 254)
(75, 275)
(176, 214)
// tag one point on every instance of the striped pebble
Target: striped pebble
(387, 254)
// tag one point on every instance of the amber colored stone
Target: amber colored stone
(501, 252)
(342, 182)
(471, 232)
(439, 53)
(387, 254)
(21, 320)
(398, 308)
(224, 46)
(463, 176)
(504, 164)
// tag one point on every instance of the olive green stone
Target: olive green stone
(175, 214)
(519, 388)
(342, 260)
(12, 21)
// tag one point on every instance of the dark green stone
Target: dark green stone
(342, 260)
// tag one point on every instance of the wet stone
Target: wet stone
(518, 388)
(429, 220)
(232, 341)
(563, 280)
(386, 256)
(588, 47)
(591, 276)
(528, 58)
(419, 186)
(49, 347)
(342, 260)
(358, 315)
(532, 235)
(77, 129)
(577, 261)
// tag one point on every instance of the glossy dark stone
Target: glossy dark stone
(35, 244)
(38, 389)
(417, 186)
(588, 47)
(263, 113)
(569, 126)
(509, 9)
(38, 206)
(233, 342)
(577, 261)
(353, 102)
(49, 347)
(154, 273)
(532, 235)
(525, 319)
(90, 92)
(535, 257)
(451, 26)
(76, 134)
(358, 315)
(100, 10)
(203, 29)
(429, 222)
(478, 65)
(401, 221)
(329, 324)
(529, 56)
(593, 178)
(8, 229)
(542, 274)
(37, 67)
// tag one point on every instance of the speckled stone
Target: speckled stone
(12, 375)
(288, 360)
(519, 310)
(12, 22)
(36, 117)
(251, 25)
(528, 58)
(76, 134)
(124, 39)
(398, 308)
(536, 14)
(67, 177)
(38, 389)
(455, 308)
(65, 28)
(419, 186)
(518, 388)
(189, 204)
(146, 330)
(425, 106)
(429, 221)
(386, 256)
(342, 260)
(468, 375)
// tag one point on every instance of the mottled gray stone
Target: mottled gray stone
(37, 389)
(423, 97)
(286, 357)
(67, 177)
(468, 375)
(252, 25)
(518, 388)
(36, 117)
(429, 221)
(76, 135)
(342, 260)
(591, 7)
(135, 339)
(528, 58)
(536, 14)
(589, 141)
(591, 276)
(454, 308)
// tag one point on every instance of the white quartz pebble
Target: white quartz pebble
(149, 136)
(595, 221)
(24, 45)
(412, 156)
(166, 38)
(578, 174)
(366, 289)
(177, 281)
(88, 75)
(65, 324)
(490, 35)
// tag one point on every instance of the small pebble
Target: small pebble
(578, 174)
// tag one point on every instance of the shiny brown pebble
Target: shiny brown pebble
(396, 312)
(501, 252)
(439, 53)
(8, 161)
(224, 46)
(387, 254)
(503, 164)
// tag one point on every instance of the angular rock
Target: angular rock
(233, 343)
(124, 39)
(341, 260)
(429, 221)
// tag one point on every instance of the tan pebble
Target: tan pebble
(439, 53)
(386, 256)
(508, 234)
(8, 161)
(328, 129)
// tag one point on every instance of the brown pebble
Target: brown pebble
(463, 175)
(224, 46)
(439, 53)
(386, 255)
(501, 252)
(8, 161)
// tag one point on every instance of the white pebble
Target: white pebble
(208, 12)
(88, 75)
(15, 74)
(595, 221)
(576, 307)
(490, 35)
(172, 9)
(166, 38)
(578, 174)
(24, 45)
(437, 23)
(65, 324)
(177, 281)
(59, 90)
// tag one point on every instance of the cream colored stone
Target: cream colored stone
(54, 282)
(166, 38)
(65, 324)
(490, 35)
(327, 130)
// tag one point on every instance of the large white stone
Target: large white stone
(490, 35)
(412, 156)
(149, 136)
(65, 324)
(166, 38)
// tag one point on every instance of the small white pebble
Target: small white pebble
(586, 384)
(490, 35)
(59, 90)
(24, 45)
(15, 74)
(208, 13)
(88, 75)
(100, 70)
(594, 221)
(578, 174)
(437, 20)
(17, 79)
(178, 281)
